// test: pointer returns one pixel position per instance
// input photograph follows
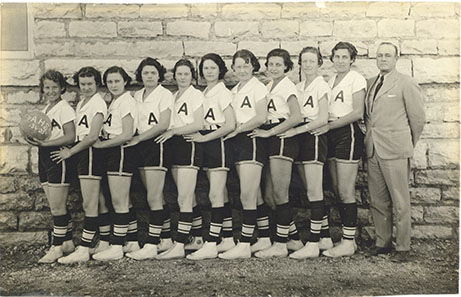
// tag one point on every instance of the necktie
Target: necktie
(380, 84)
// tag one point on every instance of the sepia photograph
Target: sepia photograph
(229, 148)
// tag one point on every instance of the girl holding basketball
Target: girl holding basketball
(219, 121)
(345, 140)
(187, 118)
(91, 111)
(283, 114)
(154, 104)
(118, 129)
(250, 109)
(54, 176)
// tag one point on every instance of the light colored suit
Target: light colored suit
(394, 120)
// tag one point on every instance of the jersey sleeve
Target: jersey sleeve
(225, 99)
(323, 89)
(101, 107)
(167, 101)
(358, 83)
(289, 89)
(67, 114)
(260, 92)
(128, 106)
(197, 101)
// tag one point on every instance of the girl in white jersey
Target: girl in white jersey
(54, 176)
(154, 104)
(250, 108)
(187, 118)
(283, 114)
(119, 127)
(345, 140)
(91, 111)
(313, 100)
(219, 121)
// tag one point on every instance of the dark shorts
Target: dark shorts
(345, 144)
(185, 154)
(216, 153)
(312, 149)
(87, 164)
(281, 148)
(247, 150)
(119, 160)
(51, 172)
(152, 155)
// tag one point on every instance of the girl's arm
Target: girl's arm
(125, 136)
(68, 137)
(226, 128)
(156, 130)
(187, 129)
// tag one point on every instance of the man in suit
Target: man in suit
(394, 121)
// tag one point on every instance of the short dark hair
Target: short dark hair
(56, 77)
(150, 62)
(184, 62)
(278, 52)
(119, 70)
(311, 49)
(248, 57)
(345, 45)
(87, 72)
(390, 43)
(218, 60)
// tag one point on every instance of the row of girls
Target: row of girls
(251, 126)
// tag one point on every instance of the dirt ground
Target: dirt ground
(433, 270)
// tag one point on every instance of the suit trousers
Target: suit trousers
(388, 185)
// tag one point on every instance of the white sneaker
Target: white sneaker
(131, 246)
(148, 251)
(207, 251)
(294, 245)
(165, 244)
(240, 251)
(345, 248)
(262, 244)
(114, 252)
(310, 250)
(226, 244)
(195, 244)
(101, 246)
(81, 254)
(176, 251)
(325, 243)
(68, 247)
(278, 249)
(53, 254)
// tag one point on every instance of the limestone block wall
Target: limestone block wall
(69, 36)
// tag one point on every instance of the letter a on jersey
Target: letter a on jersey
(55, 124)
(83, 121)
(210, 114)
(271, 105)
(183, 108)
(246, 102)
(152, 119)
(310, 102)
(109, 120)
(340, 96)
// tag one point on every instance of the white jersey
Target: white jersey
(60, 114)
(118, 109)
(149, 109)
(87, 112)
(310, 96)
(216, 100)
(277, 100)
(245, 100)
(185, 106)
(341, 95)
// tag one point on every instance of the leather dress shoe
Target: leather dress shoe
(379, 251)
(401, 256)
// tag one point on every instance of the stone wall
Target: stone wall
(69, 36)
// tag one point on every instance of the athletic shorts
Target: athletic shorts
(216, 153)
(152, 155)
(247, 150)
(119, 160)
(87, 165)
(312, 149)
(281, 148)
(345, 144)
(184, 153)
(51, 172)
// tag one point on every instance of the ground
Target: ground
(433, 270)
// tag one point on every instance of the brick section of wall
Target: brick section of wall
(69, 36)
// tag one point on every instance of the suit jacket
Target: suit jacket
(395, 119)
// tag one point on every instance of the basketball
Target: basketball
(35, 124)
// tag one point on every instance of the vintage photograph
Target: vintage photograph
(229, 148)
